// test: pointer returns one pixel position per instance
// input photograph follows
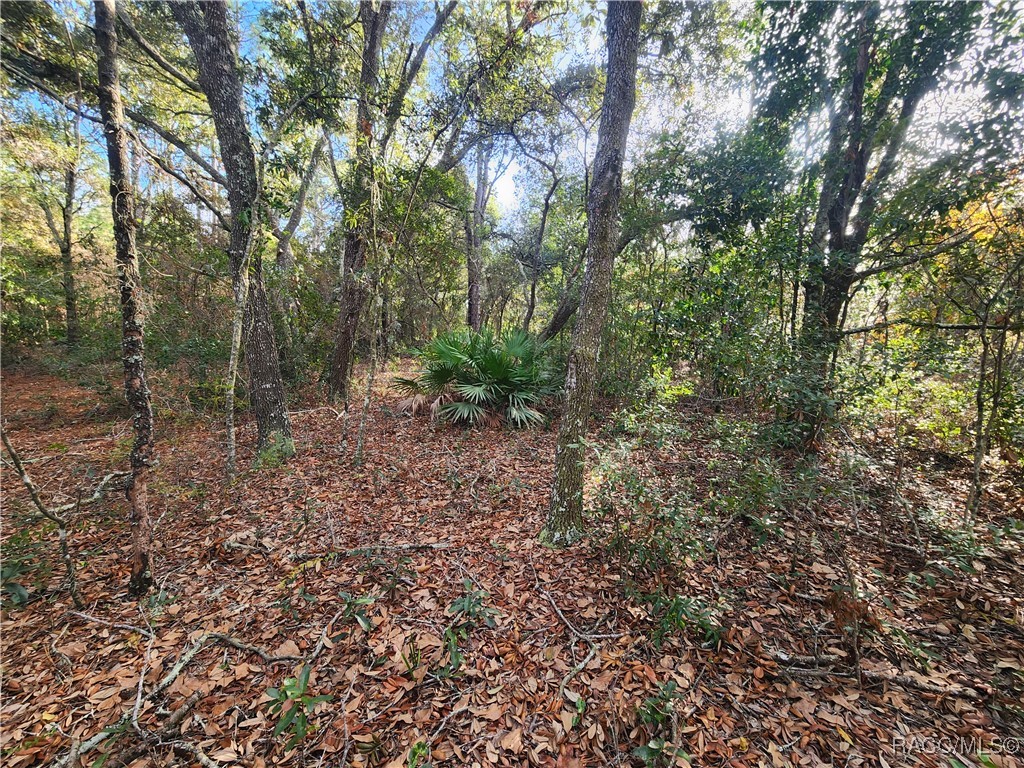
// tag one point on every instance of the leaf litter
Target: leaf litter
(413, 590)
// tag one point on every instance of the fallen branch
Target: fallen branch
(576, 670)
(305, 556)
(580, 635)
(167, 731)
(322, 642)
(588, 638)
(55, 515)
(444, 722)
(234, 642)
(114, 625)
(821, 666)
(185, 659)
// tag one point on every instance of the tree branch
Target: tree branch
(153, 53)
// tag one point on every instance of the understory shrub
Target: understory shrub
(476, 378)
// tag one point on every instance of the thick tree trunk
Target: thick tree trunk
(474, 241)
(353, 292)
(834, 253)
(565, 518)
(208, 29)
(123, 207)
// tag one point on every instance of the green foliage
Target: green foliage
(657, 713)
(657, 710)
(26, 562)
(278, 450)
(470, 607)
(419, 755)
(12, 589)
(468, 610)
(354, 608)
(647, 525)
(479, 377)
(652, 419)
(293, 706)
(677, 613)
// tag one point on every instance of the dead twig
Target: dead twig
(821, 666)
(112, 624)
(306, 556)
(183, 661)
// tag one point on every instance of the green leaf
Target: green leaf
(286, 721)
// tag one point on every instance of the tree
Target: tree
(474, 237)
(207, 27)
(136, 389)
(49, 155)
(565, 517)
(869, 72)
(372, 137)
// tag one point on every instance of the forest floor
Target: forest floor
(829, 628)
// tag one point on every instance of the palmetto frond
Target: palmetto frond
(480, 378)
(462, 411)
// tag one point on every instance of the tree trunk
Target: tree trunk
(566, 308)
(846, 207)
(284, 300)
(67, 261)
(123, 207)
(353, 289)
(833, 254)
(538, 256)
(208, 29)
(474, 241)
(531, 301)
(980, 433)
(565, 518)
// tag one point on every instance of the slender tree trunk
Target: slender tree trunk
(474, 241)
(353, 298)
(373, 18)
(538, 256)
(565, 518)
(531, 301)
(285, 298)
(566, 308)
(123, 207)
(980, 442)
(67, 261)
(209, 33)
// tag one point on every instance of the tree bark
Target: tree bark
(353, 289)
(208, 29)
(132, 323)
(474, 241)
(849, 198)
(565, 517)
(538, 255)
(67, 260)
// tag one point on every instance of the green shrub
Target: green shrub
(474, 378)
